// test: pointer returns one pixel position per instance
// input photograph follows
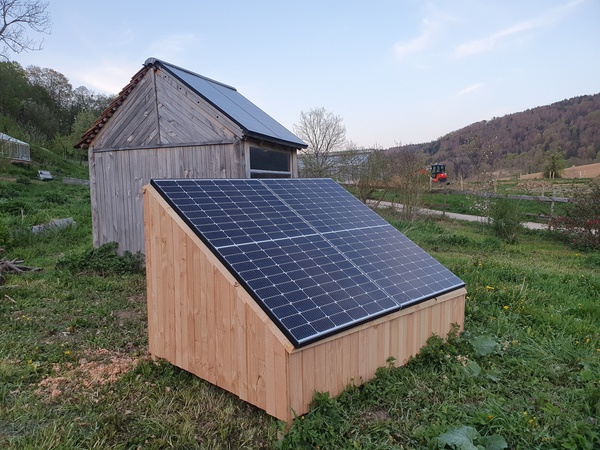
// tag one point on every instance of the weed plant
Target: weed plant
(75, 372)
(580, 224)
(506, 219)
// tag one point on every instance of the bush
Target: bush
(23, 180)
(6, 235)
(15, 207)
(581, 223)
(102, 261)
(505, 219)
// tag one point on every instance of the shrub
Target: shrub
(9, 191)
(581, 223)
(15, 207)
(6, 235)
(505, 219)
(23, 180)
(56, 198)
(103, 260)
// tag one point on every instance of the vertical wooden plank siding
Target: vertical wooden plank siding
(117, 178)
(153, 276)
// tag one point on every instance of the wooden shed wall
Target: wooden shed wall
(202, 320)
(117, 178)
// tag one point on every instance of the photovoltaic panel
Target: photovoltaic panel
(324, 204)
(315, 258)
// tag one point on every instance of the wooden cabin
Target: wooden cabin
(205, 317)
(169, 122)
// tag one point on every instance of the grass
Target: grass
(76, 374)
(469, 203)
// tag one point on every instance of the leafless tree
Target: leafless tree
(408, 180)
(373, 174)
(15, 17)
(324, 133)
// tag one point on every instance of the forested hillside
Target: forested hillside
(521, 142)
(41, 107)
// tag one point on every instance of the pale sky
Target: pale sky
(397, 72)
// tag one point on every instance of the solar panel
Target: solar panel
(316, 259)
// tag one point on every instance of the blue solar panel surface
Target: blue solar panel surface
(314, 257)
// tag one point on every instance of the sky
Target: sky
(396, 72)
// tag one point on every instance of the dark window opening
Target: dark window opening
(269, 163)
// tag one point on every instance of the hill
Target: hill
(520, 142)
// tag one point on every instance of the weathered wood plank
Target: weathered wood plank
(188, 113)
(117, 212)
(134, 112)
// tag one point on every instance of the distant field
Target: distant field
(587, 171)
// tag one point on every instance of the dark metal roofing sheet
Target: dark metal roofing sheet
(253, 120)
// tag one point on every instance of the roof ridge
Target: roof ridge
(152, 61)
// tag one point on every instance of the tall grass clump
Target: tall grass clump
(505, 219)
(102, 260)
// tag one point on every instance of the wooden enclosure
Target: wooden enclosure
(202, 320)
(164, 124)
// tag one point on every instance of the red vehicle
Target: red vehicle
(438, 173)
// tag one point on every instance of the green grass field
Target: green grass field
(75, 373)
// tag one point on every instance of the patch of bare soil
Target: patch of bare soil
(126, 314)
(376, 416)
(137, 299)
(95, 369)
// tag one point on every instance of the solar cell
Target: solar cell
(315, 258)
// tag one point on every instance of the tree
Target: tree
(15, 17)
(14, 87)
(324, 133)
(57, 87)
(374, 174)
(555, 164)
(54, 83)
(408, 180)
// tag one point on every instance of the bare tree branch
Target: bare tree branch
(324, 133)
(15, 17)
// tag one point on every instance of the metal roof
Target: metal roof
(6, 137)
(253, 120)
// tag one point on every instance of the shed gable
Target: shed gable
(161, 111)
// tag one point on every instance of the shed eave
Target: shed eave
(262, 137)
